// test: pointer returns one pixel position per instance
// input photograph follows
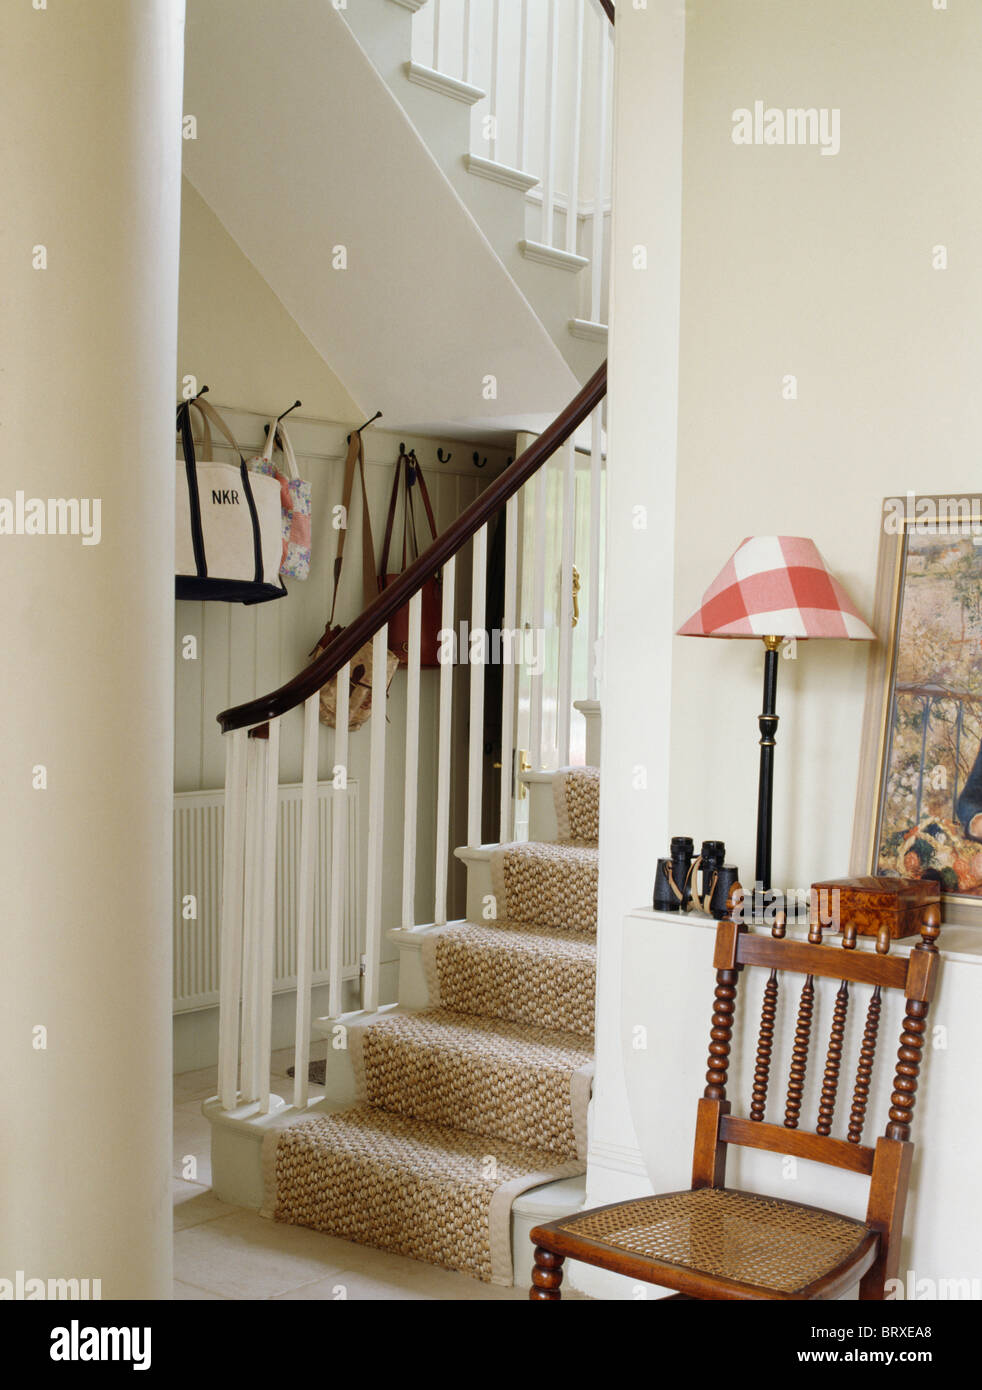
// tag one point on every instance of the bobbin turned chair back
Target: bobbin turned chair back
(887, 1164)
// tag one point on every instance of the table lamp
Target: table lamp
(772, 588)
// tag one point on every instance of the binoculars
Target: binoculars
(685, 880)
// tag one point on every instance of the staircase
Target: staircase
(349, 178)
(513, 102)
(481, 1096)
(453, 1119)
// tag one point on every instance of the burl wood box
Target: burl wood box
(887, 908)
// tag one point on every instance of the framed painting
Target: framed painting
(919, 800)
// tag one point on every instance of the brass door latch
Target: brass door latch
(523, 766)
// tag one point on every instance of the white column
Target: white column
(92, 128)
(635, 691)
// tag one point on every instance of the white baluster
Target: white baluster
(475, 761)
(339, 835)
(305, 900)
(600, 183)
(436, 35)
(596, 504)
(565, 694)
(465, 67)
(252, 926)
(495, 60)
(549, 151)
(410, 803)
(267, 922)
(573, 205)
(376, 826)
(536, 682)
(443, 757)
(522, 135)
(230, 979)
(508, 671)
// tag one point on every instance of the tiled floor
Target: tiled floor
(225, 1252)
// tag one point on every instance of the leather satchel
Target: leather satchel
(409, 471)
(363, 684)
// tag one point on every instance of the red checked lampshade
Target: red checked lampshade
(773, 587)
(780, 586)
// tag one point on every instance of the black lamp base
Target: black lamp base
(767, 722)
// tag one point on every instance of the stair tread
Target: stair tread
(497, 1039)
(568, 851)
(410, 1186)
(512, 937)
(387, 1140)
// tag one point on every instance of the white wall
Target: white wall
(236, 337)
(794, 262)
(640, 507)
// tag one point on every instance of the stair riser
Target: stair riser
(513, 1104)
(540, 994)
(542, 811)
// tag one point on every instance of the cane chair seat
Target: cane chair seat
(751, 1242)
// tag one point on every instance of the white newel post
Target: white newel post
(89, 260)
(637, 645)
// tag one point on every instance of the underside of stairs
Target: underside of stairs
(481, 1096)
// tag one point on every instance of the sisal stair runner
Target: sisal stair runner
(481, 1096)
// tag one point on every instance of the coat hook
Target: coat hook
(477, 460)
(294, 406)
(442, 458)
(376, 416)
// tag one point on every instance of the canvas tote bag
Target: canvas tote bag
(294, 499)
(362, 683)
(431, 615)
(228, 523)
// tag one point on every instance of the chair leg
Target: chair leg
(547, 1276)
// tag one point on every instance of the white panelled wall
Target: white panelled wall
(242, 652)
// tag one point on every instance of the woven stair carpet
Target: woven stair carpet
(468, 1103)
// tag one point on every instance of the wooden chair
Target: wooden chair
(713, 1242)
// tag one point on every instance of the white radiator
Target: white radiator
(198, 837)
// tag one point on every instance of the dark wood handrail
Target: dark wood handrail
(390, 600)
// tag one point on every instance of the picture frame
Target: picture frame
(921, 762)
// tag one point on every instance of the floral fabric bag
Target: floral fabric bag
(294, 499)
